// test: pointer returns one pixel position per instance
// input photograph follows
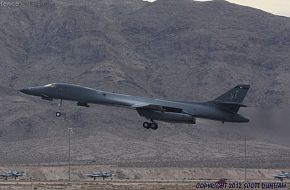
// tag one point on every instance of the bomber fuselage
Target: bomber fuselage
(84, 96)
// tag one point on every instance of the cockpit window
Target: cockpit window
(50, 85)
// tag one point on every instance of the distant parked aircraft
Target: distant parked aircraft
(12, 174)
(283, 175)
(100, 174)
(224, 108)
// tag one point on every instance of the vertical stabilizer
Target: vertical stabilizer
(236, 94)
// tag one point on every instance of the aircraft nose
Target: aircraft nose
(34, 91)
(25, 90)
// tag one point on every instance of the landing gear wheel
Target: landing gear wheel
(154, 126)
(146, 125)
(58, 114)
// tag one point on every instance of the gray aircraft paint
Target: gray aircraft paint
(283, 175)
(12, 174)
(224, 108)
(100, 174)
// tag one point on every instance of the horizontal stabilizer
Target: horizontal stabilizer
(231, 104)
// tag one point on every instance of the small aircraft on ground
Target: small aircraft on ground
(100, 174)
(12, 174)
(283, 175)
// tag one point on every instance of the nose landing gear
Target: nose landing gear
(58, 113)
(151, 125)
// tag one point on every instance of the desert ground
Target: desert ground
(56, 177)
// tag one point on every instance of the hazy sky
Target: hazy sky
(278, 7)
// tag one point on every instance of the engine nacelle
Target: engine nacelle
(171, 117)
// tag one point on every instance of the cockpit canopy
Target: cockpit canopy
(50, 85)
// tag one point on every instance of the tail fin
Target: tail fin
(236, 94)
(232, 100)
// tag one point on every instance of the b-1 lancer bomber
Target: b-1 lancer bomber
(101, 174)
(224, 108)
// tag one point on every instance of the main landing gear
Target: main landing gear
(151, 125)
(58, 113)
